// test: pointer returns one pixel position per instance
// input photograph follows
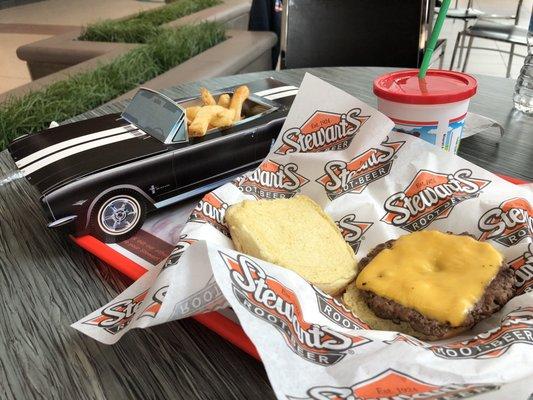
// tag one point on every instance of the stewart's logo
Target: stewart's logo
(323, 131)
(178, 251)
(394, 385)
(211, 209)
(238, 180)
(430, 196)
(267, 299)
(157, 300)
(517, 327)
(353, 230)
(119, 315)
(336, 312)
(208, 298)
(508, 223)
(273, 181)
(343, 177)
(523, 267)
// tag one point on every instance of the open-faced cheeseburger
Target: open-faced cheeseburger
(430, 285)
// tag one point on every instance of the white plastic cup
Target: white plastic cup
(433, 108)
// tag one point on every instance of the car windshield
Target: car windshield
(157, 115)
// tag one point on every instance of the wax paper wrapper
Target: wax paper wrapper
(376, 185)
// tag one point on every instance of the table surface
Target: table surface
(47, 283)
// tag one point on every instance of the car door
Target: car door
(214, 157)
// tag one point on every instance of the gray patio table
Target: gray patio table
(47, 283)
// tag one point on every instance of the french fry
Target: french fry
(207, 97)
(240, 94)
(191, 112)
(224, 100)
(210, 115)
(223, 118)
(199, 124)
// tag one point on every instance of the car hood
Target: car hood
(57, 156)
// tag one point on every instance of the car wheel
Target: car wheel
(117, 216)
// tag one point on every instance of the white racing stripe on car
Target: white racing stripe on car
(23, 162)
(282, 94)
(274, 90)
(75, 150)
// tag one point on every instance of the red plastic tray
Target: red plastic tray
(215, 321)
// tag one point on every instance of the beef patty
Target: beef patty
(500, 290)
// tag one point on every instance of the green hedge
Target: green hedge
(85, 91)
(145, 25)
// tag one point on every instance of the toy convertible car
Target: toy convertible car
(101, 176)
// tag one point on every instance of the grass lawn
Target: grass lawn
(145, 25)
(85, 91)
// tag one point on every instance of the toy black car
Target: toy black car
(101, 176)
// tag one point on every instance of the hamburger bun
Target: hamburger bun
(296, 234)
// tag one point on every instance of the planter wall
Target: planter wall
(57, 53)
(243, 51)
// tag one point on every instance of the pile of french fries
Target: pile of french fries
(215, 114)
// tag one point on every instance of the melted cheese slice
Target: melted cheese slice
(440, 275)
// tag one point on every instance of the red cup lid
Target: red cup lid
(438, 87)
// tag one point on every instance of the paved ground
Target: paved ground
(36, 21)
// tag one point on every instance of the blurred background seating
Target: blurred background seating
(321, 33)
(486, 27)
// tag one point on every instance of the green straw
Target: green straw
(430, 47)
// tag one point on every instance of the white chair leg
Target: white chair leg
(455, 49)
(510, 62)
(441, 57)
(462, 44)
(467, 53)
